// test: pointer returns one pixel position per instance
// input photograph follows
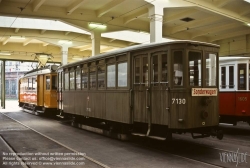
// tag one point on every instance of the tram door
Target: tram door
(59, 91)
(227, 89)
(150, 88)
(159, 88)
(141, 86)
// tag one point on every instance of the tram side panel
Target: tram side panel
(234, 106)
(40, 90)
(117, 107)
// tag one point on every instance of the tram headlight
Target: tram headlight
(204, 114)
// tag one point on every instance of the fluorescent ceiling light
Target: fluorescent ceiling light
(5, 53)
(99, 25)
(247, 1)
(17, 37)
(248, 24)
(64, 42)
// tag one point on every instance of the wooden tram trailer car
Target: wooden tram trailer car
(38, 90)
(234, 89)
(151, 90)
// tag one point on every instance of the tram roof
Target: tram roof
(233, 58)
(137, 47)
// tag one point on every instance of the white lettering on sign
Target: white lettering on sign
(204, 91)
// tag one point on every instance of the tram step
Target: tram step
(60, 116)
(138, 134)
(157, 138)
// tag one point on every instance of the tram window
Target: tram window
(101, 76)
(111, 76)
(78, 78)
(47, 82)
(61, 76)
(242, 77)
(231, 77)
(145, 70)
(54, 83)
(122, 74)
(92, 77)
(84, 78)
(72, 80)
(34, 83)
(59, 81)
(155, 70)
(29, 83)
(194, 59)
(137, 70)
(210, 69)
(177, 68)
(164, 72)
(223, 77)
(66, 81)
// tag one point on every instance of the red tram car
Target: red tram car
(234, 87)
(150, 90)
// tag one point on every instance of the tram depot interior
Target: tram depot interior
(64, 30)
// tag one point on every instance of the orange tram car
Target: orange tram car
(234, 95)
(150, 90)
(38, 90)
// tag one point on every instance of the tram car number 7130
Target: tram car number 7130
(151, 90)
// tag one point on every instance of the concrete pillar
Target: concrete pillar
(3, 84)
(96, 45)
(156, 17)
(64, 58)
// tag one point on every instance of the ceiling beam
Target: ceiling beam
(229, 35)
(223, 3)
(16, 30)
(106, 8)
(6, 40)
(37, 4)
(214, 29)
(87, 47)
(111, 40)
(66, 33)
(27, 42)
(74, 6)
(245, 12)
(45, 44)
(134, 16)
(193, 24)
(106, 49)
(213, 8)
(43, 31)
